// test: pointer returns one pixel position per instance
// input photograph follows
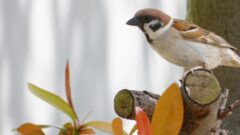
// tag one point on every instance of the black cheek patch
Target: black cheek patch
(148, 38)
(155, 27)
(146, 35)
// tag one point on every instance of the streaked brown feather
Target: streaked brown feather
(190, 31)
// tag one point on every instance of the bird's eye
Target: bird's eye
(156, 25)
(147, 19)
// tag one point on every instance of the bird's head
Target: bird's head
(152, 22)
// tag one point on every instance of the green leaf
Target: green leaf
(86, 116)
(53, 100)
(134, 128)
(100, 125)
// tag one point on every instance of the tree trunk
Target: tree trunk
(223, 18)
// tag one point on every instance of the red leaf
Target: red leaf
(67, 85)
(68, 91)
(143, 123)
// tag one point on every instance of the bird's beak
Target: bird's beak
(134, 22)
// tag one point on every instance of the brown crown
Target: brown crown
(154, 13)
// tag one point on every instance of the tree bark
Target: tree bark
(126, 100)
(223, 18)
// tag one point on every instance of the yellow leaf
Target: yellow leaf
(117, 126)
(100, 125)
(168, 114)
(29, 129)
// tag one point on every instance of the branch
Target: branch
(228, 110)
(126, 100)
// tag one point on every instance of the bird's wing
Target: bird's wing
(195, 33)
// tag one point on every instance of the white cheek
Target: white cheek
(147, 29)
(159, 32)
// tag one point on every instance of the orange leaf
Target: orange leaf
(65, 132)
(88, 131)
(29, 129)
(168, 114)
(117, 126)
(143, 123)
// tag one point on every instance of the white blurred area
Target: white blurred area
(38, 36)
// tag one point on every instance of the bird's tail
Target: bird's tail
(231, 59)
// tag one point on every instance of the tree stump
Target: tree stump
(204, 104)
(201, 92)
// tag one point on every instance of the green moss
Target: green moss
(123, 104)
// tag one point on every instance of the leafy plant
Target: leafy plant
(167, 117)
(75, 127)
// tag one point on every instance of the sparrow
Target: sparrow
(184, 43)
